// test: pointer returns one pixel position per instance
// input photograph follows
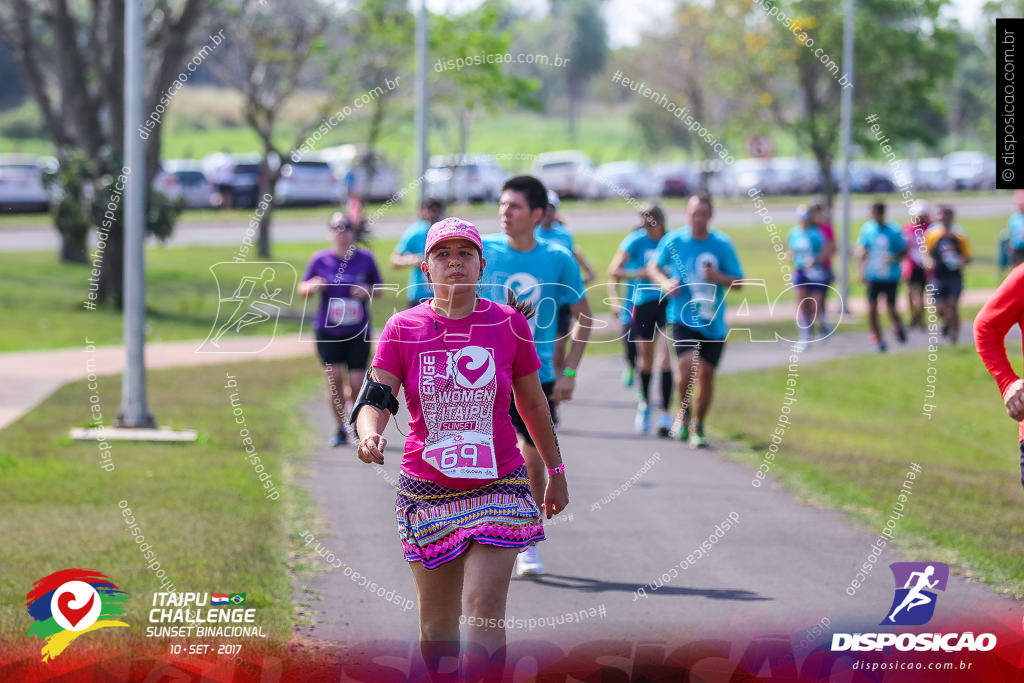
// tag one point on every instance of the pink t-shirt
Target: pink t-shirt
(457, 377)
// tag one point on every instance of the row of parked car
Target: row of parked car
(222, 180)
(328, 176)
(572, 174)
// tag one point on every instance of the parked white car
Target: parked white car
(183, 180)
(568, 172)
(931, 175)
(307, 183)
(469, 178)
(971, 170)
(626, 179)
(21, 183)
(351, 164)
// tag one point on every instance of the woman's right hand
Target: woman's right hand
(556, 495)
(371, 448)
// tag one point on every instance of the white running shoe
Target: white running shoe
(528, 562)
(642, 421)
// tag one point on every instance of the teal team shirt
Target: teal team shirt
(639, 249)
(883, 244)
(1016, 230)
(700, 305)
(807, 243)
(414, 241)
(546, 277)
(557, 233)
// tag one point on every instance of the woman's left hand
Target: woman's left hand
(556, 495)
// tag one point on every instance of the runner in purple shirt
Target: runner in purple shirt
(345, 276)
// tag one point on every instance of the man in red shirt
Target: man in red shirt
(1002, 311)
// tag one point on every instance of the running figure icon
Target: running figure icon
(915, 597)
(916, 592)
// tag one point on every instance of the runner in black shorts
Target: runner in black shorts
(345, 277)
(647, 313)
(947, 246)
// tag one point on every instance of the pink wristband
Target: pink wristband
(557, 470)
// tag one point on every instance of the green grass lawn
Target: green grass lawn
(858, 424)
(42, 299)
(200, 505)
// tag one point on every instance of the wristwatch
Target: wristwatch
(557, 470)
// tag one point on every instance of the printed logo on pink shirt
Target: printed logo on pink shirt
(457, 393)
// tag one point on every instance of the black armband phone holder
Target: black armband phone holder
(374, 394)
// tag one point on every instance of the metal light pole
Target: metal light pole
(846, 124)
(421, 95)
(134, 411)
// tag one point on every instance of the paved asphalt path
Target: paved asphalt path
(590, 220)
(782, 569)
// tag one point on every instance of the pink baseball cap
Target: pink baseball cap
(453, 228)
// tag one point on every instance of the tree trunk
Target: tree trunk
(72, 250)
(111, 285)
(268, 185)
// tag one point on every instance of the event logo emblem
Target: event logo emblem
(247, 301)
(914, 601)
(525, 286)
(474, 367)
(71, 602)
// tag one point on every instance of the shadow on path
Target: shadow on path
(588, 585)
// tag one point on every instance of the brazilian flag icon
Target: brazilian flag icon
(237, 598)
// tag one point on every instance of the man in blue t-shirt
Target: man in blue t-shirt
(408, 252)
(695, 267)
(880, 248)
(544, 275)
(553, 230)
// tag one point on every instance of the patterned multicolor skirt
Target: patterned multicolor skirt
(437, 523)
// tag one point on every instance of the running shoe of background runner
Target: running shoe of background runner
(340, 438)
(681, 427)
(665, 425)
(642, 421)
(627, 377)
(697, 439)
(528, 562)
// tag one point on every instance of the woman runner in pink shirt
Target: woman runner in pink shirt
(464, 506)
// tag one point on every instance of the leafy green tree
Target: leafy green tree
(71, 55)
(468, 72)
(904, 58)
(586, 45)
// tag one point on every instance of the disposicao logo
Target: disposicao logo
(913, 604)
(914, 601)
(71, 602)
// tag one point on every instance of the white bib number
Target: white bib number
(344, 311)
(468, 455)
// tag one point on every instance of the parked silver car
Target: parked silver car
(469, 178)
(21, 183)
(183, 180)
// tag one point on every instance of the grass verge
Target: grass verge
(856, 427)
(201, 506)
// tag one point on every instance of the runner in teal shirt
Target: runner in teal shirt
(695, 267)
(880, 247)
(408, 252)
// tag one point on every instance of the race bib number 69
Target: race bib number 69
(463, 456)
